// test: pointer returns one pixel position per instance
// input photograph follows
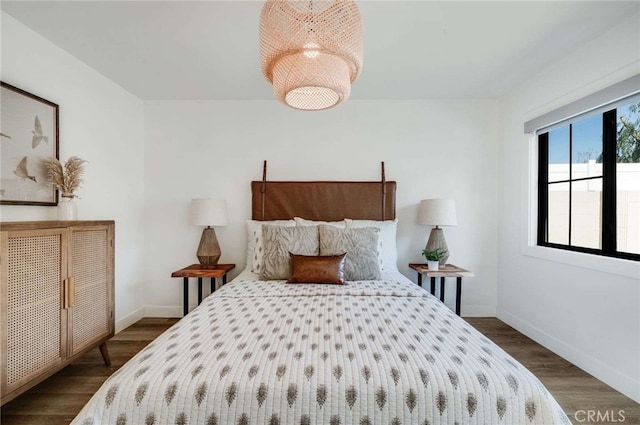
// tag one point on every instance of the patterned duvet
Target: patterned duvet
(379, 352)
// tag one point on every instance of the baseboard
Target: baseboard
(130, 319)
(602, 371)
(478, 311)
(168, 311)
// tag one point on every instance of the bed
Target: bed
(380, 351)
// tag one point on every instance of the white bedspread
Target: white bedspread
(380, 352)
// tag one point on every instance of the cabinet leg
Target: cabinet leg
(105, 354)
(458, 294)
(185, 296)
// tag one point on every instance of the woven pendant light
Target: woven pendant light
(311, 51)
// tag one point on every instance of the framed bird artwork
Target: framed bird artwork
(28, 135)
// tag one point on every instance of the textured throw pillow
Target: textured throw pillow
(255, 247)
(317, 269)
(279, 242)
(361, 246)
(388, 230)
(304, 222)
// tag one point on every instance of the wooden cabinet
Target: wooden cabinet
(56, 297)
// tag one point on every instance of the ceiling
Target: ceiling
(413, 49)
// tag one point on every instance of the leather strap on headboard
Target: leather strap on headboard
(323, 200)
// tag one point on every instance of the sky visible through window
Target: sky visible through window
(587, 140)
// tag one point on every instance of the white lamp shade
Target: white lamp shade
(437, 212)
(208, 212)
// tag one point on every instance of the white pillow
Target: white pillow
(255, 248)
(306, 223)
(388, 230)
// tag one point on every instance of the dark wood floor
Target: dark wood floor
(57, 400)
(574, 389)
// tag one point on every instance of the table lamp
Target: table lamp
(208, 212)
(437, 212)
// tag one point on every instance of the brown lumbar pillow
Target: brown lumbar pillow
(317, 269)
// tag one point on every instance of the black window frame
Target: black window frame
(609, 191)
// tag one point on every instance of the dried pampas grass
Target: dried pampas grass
(65, 178)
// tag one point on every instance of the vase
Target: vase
(433, 265)
(67, 208)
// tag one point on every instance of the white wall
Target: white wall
(99, 122)
(146, 161)
(215, 148)
(590, 317)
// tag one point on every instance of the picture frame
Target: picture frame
(29, 133)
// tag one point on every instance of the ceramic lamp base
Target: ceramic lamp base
(437, 241)
(209, 250)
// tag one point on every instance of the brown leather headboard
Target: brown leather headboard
(327, 201)
(322, 200)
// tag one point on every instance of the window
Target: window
(589, 183)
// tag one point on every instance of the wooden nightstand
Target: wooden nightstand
(448, 270)
(196, 270)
